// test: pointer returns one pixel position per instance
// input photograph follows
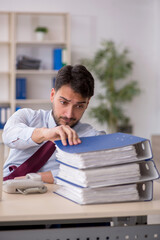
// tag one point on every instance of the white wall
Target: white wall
(130, 23)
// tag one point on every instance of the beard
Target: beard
(62, 120)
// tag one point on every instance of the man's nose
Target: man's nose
(69, 112)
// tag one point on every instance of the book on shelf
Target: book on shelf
(17, 108)
(59, 58)
(64, 57)
(5, 113)
(53, 82)
(101, 164)
(21, 88)
(28, 63)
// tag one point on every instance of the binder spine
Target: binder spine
(21, 88)
(64, 57)
(53, 82)
(145, 190)
(57, 58)
(5, 113)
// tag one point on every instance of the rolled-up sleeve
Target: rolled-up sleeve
(17, 133)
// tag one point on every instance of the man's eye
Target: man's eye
(63, 102)
(79, 106)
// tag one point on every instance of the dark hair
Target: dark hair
(79, 79)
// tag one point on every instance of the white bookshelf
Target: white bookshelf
(61, 43)
(32, 101)
(36, 72)
(17, 38)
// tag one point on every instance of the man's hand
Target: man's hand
(47, 177)
(62, 132)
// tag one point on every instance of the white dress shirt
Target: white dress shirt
(17, 136)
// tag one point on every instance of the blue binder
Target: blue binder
(57, 58)
(148, 172)
(1, 122)
(104, 142)
(20, 88)
(67, 190)
(75, 155)
(53, 82)
(4, 115)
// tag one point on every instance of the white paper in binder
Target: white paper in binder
(3, 115)
(122, 193)
(109, 176)
(104, 150)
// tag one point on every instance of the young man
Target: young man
(27, 130)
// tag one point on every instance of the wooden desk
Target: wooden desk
(49, 208)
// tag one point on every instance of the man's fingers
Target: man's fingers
(73, 138)
(70, 134)
(62, 135)
(65, 132)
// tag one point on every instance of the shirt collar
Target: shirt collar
(51, 122)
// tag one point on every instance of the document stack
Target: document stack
(28, 63)
(109, 168)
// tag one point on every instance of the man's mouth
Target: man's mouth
(67, 120)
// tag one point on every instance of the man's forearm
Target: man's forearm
(62, 132)
(38, 135)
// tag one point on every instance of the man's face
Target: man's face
(68, 106)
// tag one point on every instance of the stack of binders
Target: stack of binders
(109, 168)
(28, 63)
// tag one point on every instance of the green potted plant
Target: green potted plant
(111, 67)
(40, 32)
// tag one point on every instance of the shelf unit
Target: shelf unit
(5, 62)
(18, 38)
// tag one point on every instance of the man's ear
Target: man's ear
(52, 94)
